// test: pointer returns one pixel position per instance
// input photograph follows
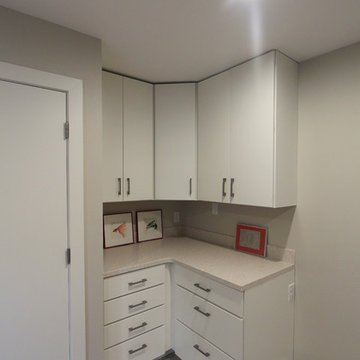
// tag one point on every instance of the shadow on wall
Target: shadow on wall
(199, 222)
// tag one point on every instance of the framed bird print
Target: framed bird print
(149, 225)
(118, 230)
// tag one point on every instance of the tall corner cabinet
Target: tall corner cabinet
(247, 133)
(175, 142)
(128, 144)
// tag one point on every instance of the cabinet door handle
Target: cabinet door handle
(202, 288)
(232, 194)
(142, 347)
(139, 304)
(190, 186)
(197, 347)
(223, 187)
(128, 186)
(132, 283)
(201, 312)
(138, 327)
(119, 186)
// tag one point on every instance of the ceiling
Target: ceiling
(184, 40)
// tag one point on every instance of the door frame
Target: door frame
(74, 95)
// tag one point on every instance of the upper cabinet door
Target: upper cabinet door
(138, 140)
(252, 132)
(175, 142)
(112, 87)
(213, 138)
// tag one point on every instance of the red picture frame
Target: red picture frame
(253, 240)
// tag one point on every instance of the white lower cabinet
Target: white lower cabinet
(191, 346)
(135, 315)
(212, 320)
(144, 347)
(209, 319)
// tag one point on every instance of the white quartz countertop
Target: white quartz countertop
(233, 268)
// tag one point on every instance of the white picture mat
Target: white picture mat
(144, 218)
(118, 229)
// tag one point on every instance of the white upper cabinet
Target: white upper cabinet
(138, 140)
(128, 145)
(112, 105)
(175, 142)
(253, 126)
(213, 138)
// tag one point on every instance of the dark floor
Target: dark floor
(171, 357)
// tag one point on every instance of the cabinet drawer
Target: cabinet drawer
(134, 281)
(218, 326)
(132, 304)
(133, 326)
(189, 345)
(219, 294)
(144, 347)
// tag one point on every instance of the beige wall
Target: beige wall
(221, 229)
(30, 42)
(325, 230)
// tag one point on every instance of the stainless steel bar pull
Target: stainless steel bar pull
(201, 312)
(202, 288)
(190, 186)
(223, 187)
(119, 186)
(142, 281)
(139, 304)
(138, 327)
(128, 186)
(142, 347)
(232, 194)
(197, 347)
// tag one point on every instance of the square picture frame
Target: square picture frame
(149, 225)
(118, 229)
(251, 239)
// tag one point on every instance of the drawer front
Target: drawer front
(134, 281)
(144, 347)
(132, 304)
(189, 345)
(216, 325)
(133, 326)
(219, 294)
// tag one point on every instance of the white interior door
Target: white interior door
(33, 217)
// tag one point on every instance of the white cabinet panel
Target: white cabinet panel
(211, 290)
(112, 87)
(144, 347)
(210, 321)
(138, 140)
(175, 142)
(247, 133)
(213, 138)
(132, 304)
(133, 281)
(189, 345)
(128, 139)
(252, 131)
(132, 326)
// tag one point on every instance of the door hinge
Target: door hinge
(68, 256)
(66, 130)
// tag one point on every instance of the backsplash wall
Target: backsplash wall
(197, 221)
(170, 228)
(220, 229)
